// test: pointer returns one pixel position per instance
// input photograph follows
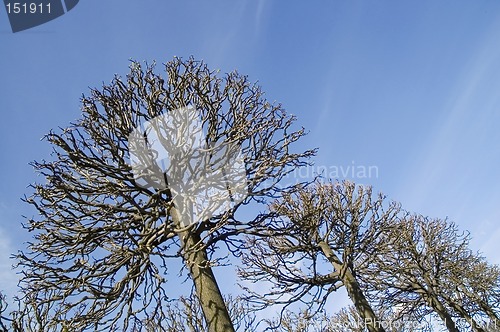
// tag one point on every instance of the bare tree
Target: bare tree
(105, 231)
(185, 314)
(476, 285)
(28, 316)
(340, 224)
(422, 271)
(303, 321)
(4, 320)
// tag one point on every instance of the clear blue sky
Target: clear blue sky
(411, 87)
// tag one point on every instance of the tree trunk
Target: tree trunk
(370, 320)
(443, 313)
(208, 292)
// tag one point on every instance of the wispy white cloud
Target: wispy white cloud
(260, 16)
(468, 108)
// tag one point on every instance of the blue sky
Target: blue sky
(412, 88)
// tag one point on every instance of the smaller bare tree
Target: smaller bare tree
(186, 314)
(421, 270)
(28, 315)
(182, 314)
(346, 319)
(477, 286)
(339, 224)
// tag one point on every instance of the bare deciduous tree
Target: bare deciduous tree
(29, 316)
(303, 321)
(427, 269)
(186, 314)
(339, 224)
(103, 239)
